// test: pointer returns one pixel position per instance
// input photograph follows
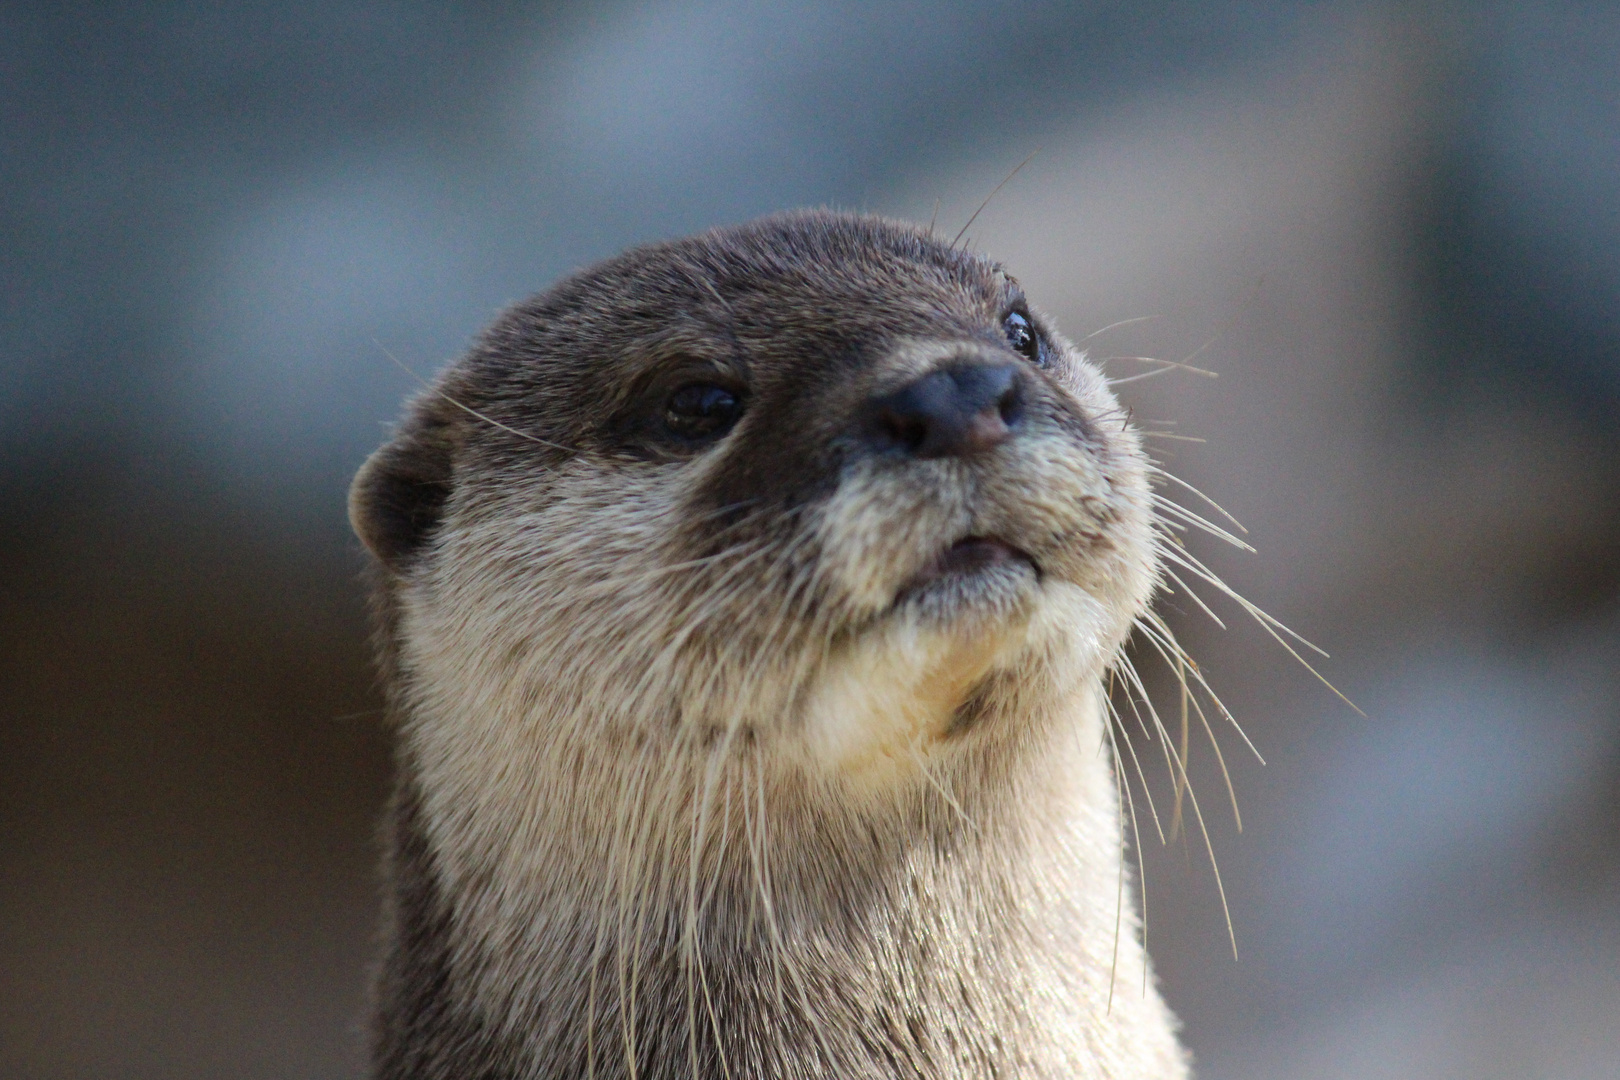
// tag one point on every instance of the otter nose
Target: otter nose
(954, 411)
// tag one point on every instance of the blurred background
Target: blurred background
(1393, 230)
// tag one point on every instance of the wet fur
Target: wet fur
(682, 789)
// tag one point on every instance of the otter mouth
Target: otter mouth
(971, 560)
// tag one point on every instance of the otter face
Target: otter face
(819, 481)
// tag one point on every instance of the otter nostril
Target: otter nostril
(1011, 405)
(906, 431)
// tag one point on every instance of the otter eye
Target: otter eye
(1022, 337)
(701, 411)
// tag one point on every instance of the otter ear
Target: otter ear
(397, 498)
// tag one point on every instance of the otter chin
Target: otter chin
(744, 605)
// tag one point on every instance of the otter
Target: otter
(745, 607)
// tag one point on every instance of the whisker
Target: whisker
(1135, 679)
(1167, 506)
(992, 195)
(1151, 627)
(1203, 684)
(1198, 814)
(1269, 624)
(1136, 833)
(1116, 325)
(1136, 762)
(1174, 479)
(1164, 365)
(432, 389)
(1185, 591)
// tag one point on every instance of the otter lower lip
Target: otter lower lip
(969, 555)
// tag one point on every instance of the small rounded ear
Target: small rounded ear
(397, 498)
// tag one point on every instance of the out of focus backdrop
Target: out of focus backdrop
(1392, 230)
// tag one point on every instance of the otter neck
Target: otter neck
(948, 939)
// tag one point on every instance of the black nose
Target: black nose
(955, 411)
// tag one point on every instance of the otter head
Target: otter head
(818, 496)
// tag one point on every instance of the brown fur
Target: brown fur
(692, 782)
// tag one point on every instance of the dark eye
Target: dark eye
(701, 411)
(1021, 336)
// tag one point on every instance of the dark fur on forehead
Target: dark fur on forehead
(818, 283)
(774, 305)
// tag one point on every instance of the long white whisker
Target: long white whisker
(1136, 832)
(1174, 479)
(1136, 762)
(1269, 624)
(1198, 815)
(1135, 680)
(1179, 666)
(1182, 557)
(1116, 325)
(1167, 506)
(1198, 677)
(1185, 591)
